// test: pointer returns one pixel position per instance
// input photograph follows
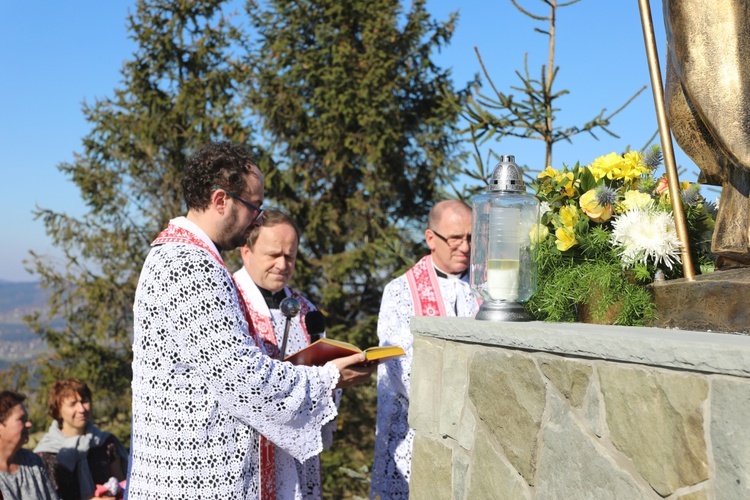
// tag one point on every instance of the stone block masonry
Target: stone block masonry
(561, 411)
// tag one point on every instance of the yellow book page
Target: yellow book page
(383, 352)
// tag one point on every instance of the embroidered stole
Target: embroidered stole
(264, 325)
(176, 234)
(425, 290)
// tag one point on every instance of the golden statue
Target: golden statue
(708, 105)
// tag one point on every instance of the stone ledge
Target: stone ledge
(719, 353)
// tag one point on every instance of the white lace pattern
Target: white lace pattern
(202, 390)
(393, 437)
(294, 479)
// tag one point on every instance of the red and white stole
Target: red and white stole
(425, 290)
(176, 232)
(261, 315)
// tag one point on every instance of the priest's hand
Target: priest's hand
(353, 370)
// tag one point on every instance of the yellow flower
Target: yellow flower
(591, 207)
(604, 165)
(568, 186)
(564, 181)
(538, 233)
(548, 172)
(632, 167)
(635, 199)
(629, 168)
(568, 216)
(566, 238)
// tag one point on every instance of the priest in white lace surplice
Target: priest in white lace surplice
(436, 286)
(210, 407)
(269, 259)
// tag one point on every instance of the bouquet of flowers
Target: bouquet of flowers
(607, 231)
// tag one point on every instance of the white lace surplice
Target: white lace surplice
(294, 479)
(393, 437)
(202, 390)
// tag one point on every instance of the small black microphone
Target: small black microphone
(289, 307)
(315, 323)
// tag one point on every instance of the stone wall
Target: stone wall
(576, 411)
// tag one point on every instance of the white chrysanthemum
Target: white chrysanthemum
(544, 208)
(645, 235)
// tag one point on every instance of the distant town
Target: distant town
(17, 342)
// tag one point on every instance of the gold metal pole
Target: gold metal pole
(666, 138)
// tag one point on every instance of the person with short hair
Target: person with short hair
(78, 455)
(269, 259)
(210, 406)
(22, 473)
(437, 285)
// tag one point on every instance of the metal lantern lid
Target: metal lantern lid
(507, 176)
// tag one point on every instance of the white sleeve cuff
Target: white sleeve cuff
(333, 371)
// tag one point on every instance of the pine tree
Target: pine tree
(179, 91)
(361, 124)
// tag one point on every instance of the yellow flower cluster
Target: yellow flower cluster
(565, 181)
(594, 193)
(629, 167)
(565, 233)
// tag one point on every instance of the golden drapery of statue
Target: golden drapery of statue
(707, 94)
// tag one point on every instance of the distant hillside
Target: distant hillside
(26, 296)
(17, 343)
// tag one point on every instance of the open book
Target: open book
(324, 350)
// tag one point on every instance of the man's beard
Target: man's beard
(232, 235)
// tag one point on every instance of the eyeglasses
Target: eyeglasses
(453, 241)
(249, 205)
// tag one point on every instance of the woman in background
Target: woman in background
(78, 455)
(22, 473)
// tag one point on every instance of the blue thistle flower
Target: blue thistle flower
(691, 195)
(605, 195)
(653, 157)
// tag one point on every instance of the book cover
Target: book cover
(324, 350)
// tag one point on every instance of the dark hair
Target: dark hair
(8, 401)
(271, 218)
(62, 390)
(222, 164)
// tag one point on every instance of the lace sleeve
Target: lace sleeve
(286, 404)
(393, 437)
(396, 310)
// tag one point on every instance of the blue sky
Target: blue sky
(56, 55)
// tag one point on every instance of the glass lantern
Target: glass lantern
(503, 270)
